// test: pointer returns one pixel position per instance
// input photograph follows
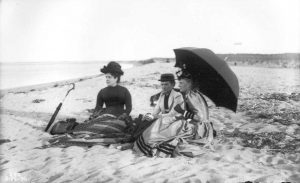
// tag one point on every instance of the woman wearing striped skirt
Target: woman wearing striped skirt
(190, 125)
(107, 125)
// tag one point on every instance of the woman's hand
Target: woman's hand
(186, 114)
(148, 117)
(123, 116)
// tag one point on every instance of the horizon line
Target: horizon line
(137, 60)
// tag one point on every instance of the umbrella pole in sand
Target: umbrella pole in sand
(58, 108)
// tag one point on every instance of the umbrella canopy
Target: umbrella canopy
(212, 74)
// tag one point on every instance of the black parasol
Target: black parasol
(214, 77)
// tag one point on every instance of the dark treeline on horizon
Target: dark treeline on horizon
(285, 60)
(262, 57)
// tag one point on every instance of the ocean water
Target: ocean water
(14, 75)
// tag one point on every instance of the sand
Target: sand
(259, 143)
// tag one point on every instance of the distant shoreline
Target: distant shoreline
(281, 60)
(284, 60)
(288, 60)
(54, 84)
(67, 62)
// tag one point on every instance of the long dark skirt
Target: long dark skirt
(103, 130)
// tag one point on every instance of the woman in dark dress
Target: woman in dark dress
(116, 98)
(107, 125)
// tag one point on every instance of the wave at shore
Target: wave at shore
(32, 73)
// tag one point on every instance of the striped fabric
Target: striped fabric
(161, 150)
(102, 124)
(143, 147)
(165, 139)
(188, 115)
(166, 149)
(87, 141)
(104, 130)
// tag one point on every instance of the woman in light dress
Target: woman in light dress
(190, 124)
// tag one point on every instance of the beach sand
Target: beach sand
(259, 143)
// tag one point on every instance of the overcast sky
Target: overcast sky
(76, 30)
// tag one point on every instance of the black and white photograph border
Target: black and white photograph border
(204, 91)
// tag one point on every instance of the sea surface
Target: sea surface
(13, 75)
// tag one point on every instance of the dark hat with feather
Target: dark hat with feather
(113, 68)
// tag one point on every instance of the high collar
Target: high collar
(167, 93)
(113, 86)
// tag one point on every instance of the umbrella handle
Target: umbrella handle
(73, 87)
(58, 108)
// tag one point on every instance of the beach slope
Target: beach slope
(259, 143)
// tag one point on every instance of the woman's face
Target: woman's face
(185, 85)
(111, 80)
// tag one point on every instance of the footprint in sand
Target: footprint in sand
(4, 162)
(295, 158)
(38, 101)
(228, 116)
(281, 162)
(229, 125)
(65, 160)
(2, 141)
(54, 177)
(218, 147)
(269, 160)
(294, 178)
(23, 171)
(84, 100)
(93, 175)
(257, 151)
(238, 157)
(217, 158)
(12, 147)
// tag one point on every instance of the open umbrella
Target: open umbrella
(212, 74)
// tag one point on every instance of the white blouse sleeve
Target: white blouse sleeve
(197, 106)
(157, 108)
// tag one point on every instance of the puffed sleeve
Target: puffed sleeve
(157, 108)
(198, 107)
(99, 103)
(169, 117)
(128, 102)
(178, 99)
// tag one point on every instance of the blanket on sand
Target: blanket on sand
(103, 130)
